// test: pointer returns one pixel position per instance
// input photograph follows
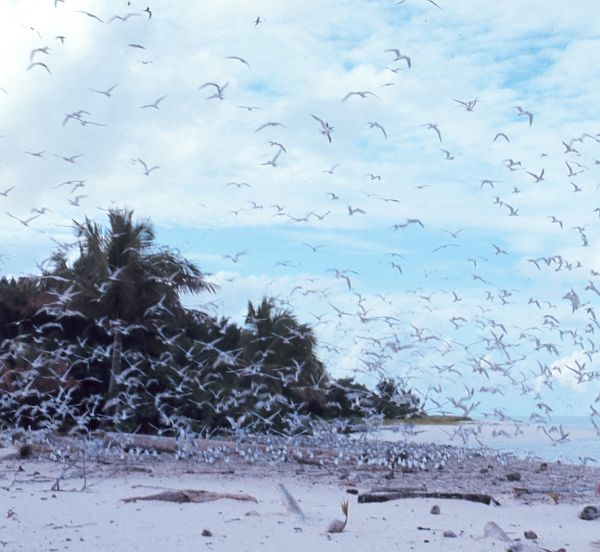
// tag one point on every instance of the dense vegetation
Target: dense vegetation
(101, 339)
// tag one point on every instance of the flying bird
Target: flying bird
(330, 171)
(326, 128)
(71, 159)
(39, 64)
(107, 93)
(91, 15)
(362, 94)
(235, 258)
(434, 128)
(400, 56)
(467, 105)
(24, 222)
(408, 222)
(155, 104)
(375, 124)
(269, 124)
(219, 90)
(501, 135)
(147, 170)
(523, 113)
(238, 58)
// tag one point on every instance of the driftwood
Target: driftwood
(551, 490)
(385, 497)
(398, 489)
(183, 496)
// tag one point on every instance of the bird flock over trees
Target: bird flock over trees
(430, 232)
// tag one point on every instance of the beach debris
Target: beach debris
(206, 533)
(184, 496)
(352, 491)
(531, 535)
(514, 476)
(435, 510)
(493, 531)
(448, 533)
(386, 496)
(290, 502)
(337, 526)
(589, 513)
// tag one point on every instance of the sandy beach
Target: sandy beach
(46, 507)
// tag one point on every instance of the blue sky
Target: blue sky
(304, 58)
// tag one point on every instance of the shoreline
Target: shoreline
(91, 513)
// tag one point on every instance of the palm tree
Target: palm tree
(124, 279)
(285, 350)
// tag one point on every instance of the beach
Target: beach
(50, 502)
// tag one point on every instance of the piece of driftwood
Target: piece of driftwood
(398, 489)
(385, 497)
(183, 496)
(550, 490)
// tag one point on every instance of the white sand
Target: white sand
(32, 517)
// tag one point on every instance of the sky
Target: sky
(479, 120)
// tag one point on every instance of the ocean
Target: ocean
(568, 439)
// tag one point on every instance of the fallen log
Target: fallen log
(551, 490)
(385, 497)
(184, 496)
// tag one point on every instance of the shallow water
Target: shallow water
(581, 443)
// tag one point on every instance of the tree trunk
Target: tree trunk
(115, 365)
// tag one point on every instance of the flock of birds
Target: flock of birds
(461, 335)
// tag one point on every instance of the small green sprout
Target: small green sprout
(337, 526)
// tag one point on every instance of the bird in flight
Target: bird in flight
(24, 222)
(375, 124)
(235, 258)
(326, 128)
(362, 94)
(91, 15)
(522, 112)
(107, 93)
(314, 248)
(219, 90)
(123, 18)
(434, 127)
(330, 171)
(351, 211)
(400, 56)
(501, 135)
(241, 60)
(269, 124)
(5, 192)
(467, 105)
(537, 177)
(155, 104)
(71, 159)
(147, 170)
(149, 12)
(40, 64)
(408, 221)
